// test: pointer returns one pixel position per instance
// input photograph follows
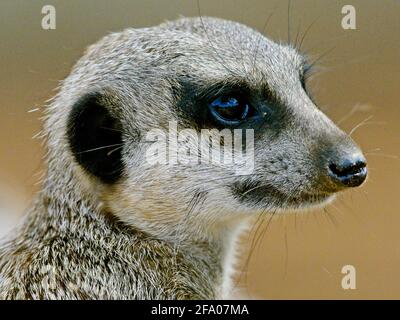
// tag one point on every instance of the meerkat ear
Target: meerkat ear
(95, 137)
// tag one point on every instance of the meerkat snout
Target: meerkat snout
(349, 170)
(129, 209)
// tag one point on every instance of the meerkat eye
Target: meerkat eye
(230, 109)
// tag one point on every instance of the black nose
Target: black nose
(349, 172)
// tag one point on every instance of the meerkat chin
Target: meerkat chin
(115, 220)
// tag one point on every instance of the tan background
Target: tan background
(298, 256)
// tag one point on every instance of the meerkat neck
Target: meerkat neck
(53, 216)
(69, 209)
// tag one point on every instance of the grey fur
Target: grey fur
(162, 233)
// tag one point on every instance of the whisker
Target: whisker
(100, 148)
(297, 34)
(257, 238)
(286, 253)
(306, 32)
(321, 56)
(254, 188)
(288, 195)
(260, 38)
(113, 150)
(384, 155)
(111, 129)
(330, 217)
(256, 224)
(376, 149)
(226, 178)
(323, 43)
(353, 110)
(209, 39)
(359, 125)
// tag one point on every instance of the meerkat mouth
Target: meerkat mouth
(262, 194)
(309, 200)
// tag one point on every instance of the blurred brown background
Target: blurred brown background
(297, 256)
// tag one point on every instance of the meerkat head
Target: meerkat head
(134, 89)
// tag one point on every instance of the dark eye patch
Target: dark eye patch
(266, 112)
(218, 105)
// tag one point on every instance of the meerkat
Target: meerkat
(109, 225)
